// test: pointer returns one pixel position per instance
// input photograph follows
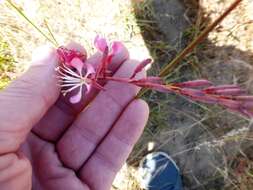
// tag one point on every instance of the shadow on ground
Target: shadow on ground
(209, 144)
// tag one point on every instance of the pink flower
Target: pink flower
(108, 51)
(71, 79)
(101, 44)
(66, 56)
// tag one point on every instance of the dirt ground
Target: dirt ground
(211, 146)
(208, 143)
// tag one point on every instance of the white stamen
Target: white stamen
(68, 70)
(69, 90)
(72, 84)
(71, 79)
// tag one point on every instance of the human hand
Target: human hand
(48, 143)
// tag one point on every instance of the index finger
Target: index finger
(62, 114)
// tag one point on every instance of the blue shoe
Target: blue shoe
(159, 172)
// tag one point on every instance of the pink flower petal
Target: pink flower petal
(76, 98)
(140, 67)
(88, 88)
(100, 43)
(116, 47)
(66, 55)
(77, 64)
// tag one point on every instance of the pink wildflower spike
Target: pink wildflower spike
(229, 96)
(141, 66)
(194, 83)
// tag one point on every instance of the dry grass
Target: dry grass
(78, 21)
(237, 29)
(7, 66)
(230, 46)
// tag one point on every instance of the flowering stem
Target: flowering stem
(72, 77)
(168, 68)
(27, 19)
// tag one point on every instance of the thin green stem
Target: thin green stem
(51, 33)
(28, 20)
(169, 67)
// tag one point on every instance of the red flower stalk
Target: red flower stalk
(75, 72)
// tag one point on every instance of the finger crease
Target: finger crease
(87, 134)
(107, 162)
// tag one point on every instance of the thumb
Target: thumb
(26, 99)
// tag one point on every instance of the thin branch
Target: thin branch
(51, 33)
(28, 20)
(169, 67)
